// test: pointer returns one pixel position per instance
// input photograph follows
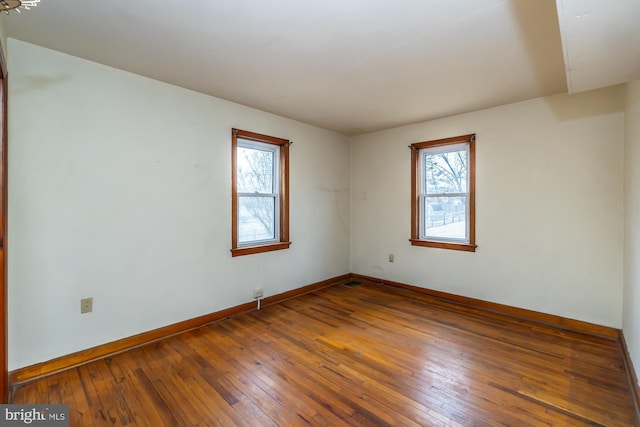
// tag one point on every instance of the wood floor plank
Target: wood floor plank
(358, 356)
(141, 402)
(270, 400)
(271, 372)
(380, 370)
(80, 404)
(113, 408)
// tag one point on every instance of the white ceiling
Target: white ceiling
(601, 41)
(351, 66)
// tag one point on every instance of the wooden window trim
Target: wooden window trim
(415, 194)
(283, 243)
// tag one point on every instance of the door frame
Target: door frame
(4, 374)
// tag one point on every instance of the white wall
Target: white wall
(631, 325)
(549, 207)
(120, 190)
(3, 34)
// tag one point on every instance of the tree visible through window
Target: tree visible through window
(260, 186)
(443, 193)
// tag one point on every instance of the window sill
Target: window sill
(248, 250)
(444, 245)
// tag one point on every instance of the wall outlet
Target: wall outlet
(86, 305)
(391, 258)
(258, 293)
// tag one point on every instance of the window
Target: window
(443, 193)
(260, 187)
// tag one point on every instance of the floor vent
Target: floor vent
(352, 284)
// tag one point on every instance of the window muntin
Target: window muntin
(260, 207)
(443, 193)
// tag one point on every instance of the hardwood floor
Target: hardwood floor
(373, 356)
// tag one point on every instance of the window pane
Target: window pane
(255, 170)
(256, 218)
(445, 172)
(445, 217)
